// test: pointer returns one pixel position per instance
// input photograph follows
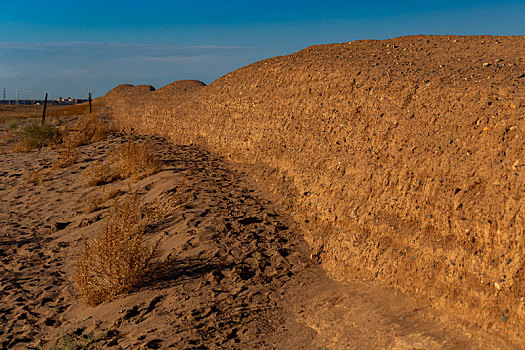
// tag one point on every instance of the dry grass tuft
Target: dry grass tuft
(67, 155)
(120, 259)
(9, 137)
(100, 174)
(21, 146)
(88, 129)
(38, 176)
(72, 110)
(135, 160)
(132, 160)
(96, 202)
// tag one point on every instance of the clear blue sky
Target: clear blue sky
(70, 48)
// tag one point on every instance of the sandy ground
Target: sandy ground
(240, 273)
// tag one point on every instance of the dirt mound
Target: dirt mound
(181, 85)
(144, 93)
(402, 159)
(176, 91)
(123, 89)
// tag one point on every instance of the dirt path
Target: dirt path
(240, 274)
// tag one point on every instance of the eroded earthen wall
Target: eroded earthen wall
(403, 159)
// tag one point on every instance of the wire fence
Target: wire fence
(19, 94)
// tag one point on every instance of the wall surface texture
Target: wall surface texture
(403, 159)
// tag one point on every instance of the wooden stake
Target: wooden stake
(44, 112)
(90, 103)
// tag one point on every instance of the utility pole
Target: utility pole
(17, 95)
(4, 94)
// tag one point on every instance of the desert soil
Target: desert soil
(240, 273)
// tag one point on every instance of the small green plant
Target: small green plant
(76, 341)
(38, 136)
(12, 125)
(67, 343)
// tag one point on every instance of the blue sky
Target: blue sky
(70, 48)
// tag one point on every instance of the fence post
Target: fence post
(90, 103)
(44, 112)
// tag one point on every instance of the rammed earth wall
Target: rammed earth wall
(403, 159)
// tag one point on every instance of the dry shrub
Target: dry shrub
(9, 137)
(92, 204)
(38, 176)
(100, 174)
(67, 155)
(21, 146)
(135, 160)
(89, 129)
(110, 193)
(120, 259)
(96, 202)
(132, 160)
